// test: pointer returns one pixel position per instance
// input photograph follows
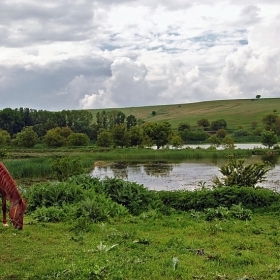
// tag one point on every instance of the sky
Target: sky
(83, 54)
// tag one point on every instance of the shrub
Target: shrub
(50, 214)
(241, 133)
(77, 139)
(251, 198)
(65, 167)
(100, 208)
(236, 172)
(53, 194)
(136, 198)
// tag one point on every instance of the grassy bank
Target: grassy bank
(144, 247)
(86, 228)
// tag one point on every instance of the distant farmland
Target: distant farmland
(237, 112)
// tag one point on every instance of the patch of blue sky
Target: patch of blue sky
(106, 47)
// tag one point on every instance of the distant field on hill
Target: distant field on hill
(235, 112)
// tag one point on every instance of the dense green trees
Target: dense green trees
(113, 128)
(14, 120)
(5, 137)
(159, 133)
(218, 124)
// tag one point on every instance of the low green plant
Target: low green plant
(50, 214)
(136, 198)
(100, 208)
(237, 173)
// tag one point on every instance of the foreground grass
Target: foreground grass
(143, 248)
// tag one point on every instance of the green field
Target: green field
(236, 112)
(143, 248)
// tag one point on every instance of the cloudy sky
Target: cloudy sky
(81, 54)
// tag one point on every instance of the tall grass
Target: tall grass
(29, 168)
(31, 164)
(169, 154)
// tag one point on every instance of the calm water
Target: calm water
(174, 176)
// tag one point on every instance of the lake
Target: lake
(188, 175)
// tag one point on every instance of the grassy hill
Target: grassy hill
(237, 112)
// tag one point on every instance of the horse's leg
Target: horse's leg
(4, 209)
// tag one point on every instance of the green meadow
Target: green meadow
(236, 112)
(150, 246)
(83, 228)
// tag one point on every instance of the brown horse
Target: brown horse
(9, 190)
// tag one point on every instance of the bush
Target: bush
(65, 167)
(53, 194)
(241, 133)
(222, 196)
(100, 208)
(50, 214)
(236, 172)
(77, 139)
(136, 198)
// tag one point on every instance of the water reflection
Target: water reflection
(174, 176)
(270, 158)
(158, 169)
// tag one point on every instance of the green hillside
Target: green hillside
(236, 112)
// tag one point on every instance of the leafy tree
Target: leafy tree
(215, 141)
(237, 173)
(184, 131)
(53, 138)
(11, 120)
(104, 139)
(115, 117)
(269, 138)
(154, 113)
(221, 133)
(65, 131)
(270, 120)
(159, 133)
(131, 121)
(218, 124)
(176, 141)
(102, 119)
(228, 142)
(136, 136)
(120, 136)
(203, 123)
(184, 126)
(27, 138)
(77, 139)
(258, 96)
(5, 138)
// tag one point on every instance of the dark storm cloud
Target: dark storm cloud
(30, 22)
(46, 86)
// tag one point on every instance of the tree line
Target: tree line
(26, 127)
